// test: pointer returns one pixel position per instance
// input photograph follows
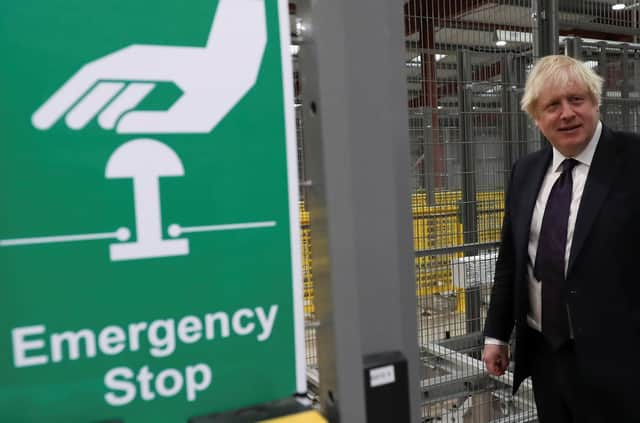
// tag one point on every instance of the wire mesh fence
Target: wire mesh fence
(609, 17)
(619, 64)
(305, 223)
(466, 65)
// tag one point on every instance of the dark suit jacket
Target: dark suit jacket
(603, 277)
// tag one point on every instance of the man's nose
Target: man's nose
(566, 111)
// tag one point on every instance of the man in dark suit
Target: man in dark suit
(568, 269)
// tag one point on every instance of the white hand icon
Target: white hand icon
(213, 79)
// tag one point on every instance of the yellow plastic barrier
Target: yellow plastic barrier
(309, 306)
(490, 207)
(435, 227)
(439, 227)
(447, 198)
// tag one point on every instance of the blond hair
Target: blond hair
(558, 70)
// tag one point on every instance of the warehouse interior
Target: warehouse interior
(466, 62)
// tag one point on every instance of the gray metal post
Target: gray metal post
(428, 142)
(545, 27)
(545, 32)
(515, 127)
(602, 70)
(469, 215)
(625, 88)
(356, 132)
(465, 112)
(574, 47)
(520, 129)
(509, 114)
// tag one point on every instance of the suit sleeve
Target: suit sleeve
(500, 316)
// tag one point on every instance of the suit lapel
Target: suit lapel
(529, 194)
(605, 164)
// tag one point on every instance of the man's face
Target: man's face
(567, 116)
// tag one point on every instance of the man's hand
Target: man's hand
(496, 358)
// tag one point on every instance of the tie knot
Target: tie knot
(568, 165)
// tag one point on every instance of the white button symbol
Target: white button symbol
(145, 161)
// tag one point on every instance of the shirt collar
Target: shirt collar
(585, 157)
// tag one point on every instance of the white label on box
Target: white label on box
(382, 376)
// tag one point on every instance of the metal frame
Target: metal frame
(355, 134)
(358, 201)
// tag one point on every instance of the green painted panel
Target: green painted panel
(149, 257)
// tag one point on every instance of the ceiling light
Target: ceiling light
(622, 6)
(501, 43)
(591, 64)
(513, 36)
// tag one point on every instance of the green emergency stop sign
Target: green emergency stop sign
(149, 242)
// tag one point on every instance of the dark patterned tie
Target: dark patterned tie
(550, 263)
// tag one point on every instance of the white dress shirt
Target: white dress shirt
(579, 175)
